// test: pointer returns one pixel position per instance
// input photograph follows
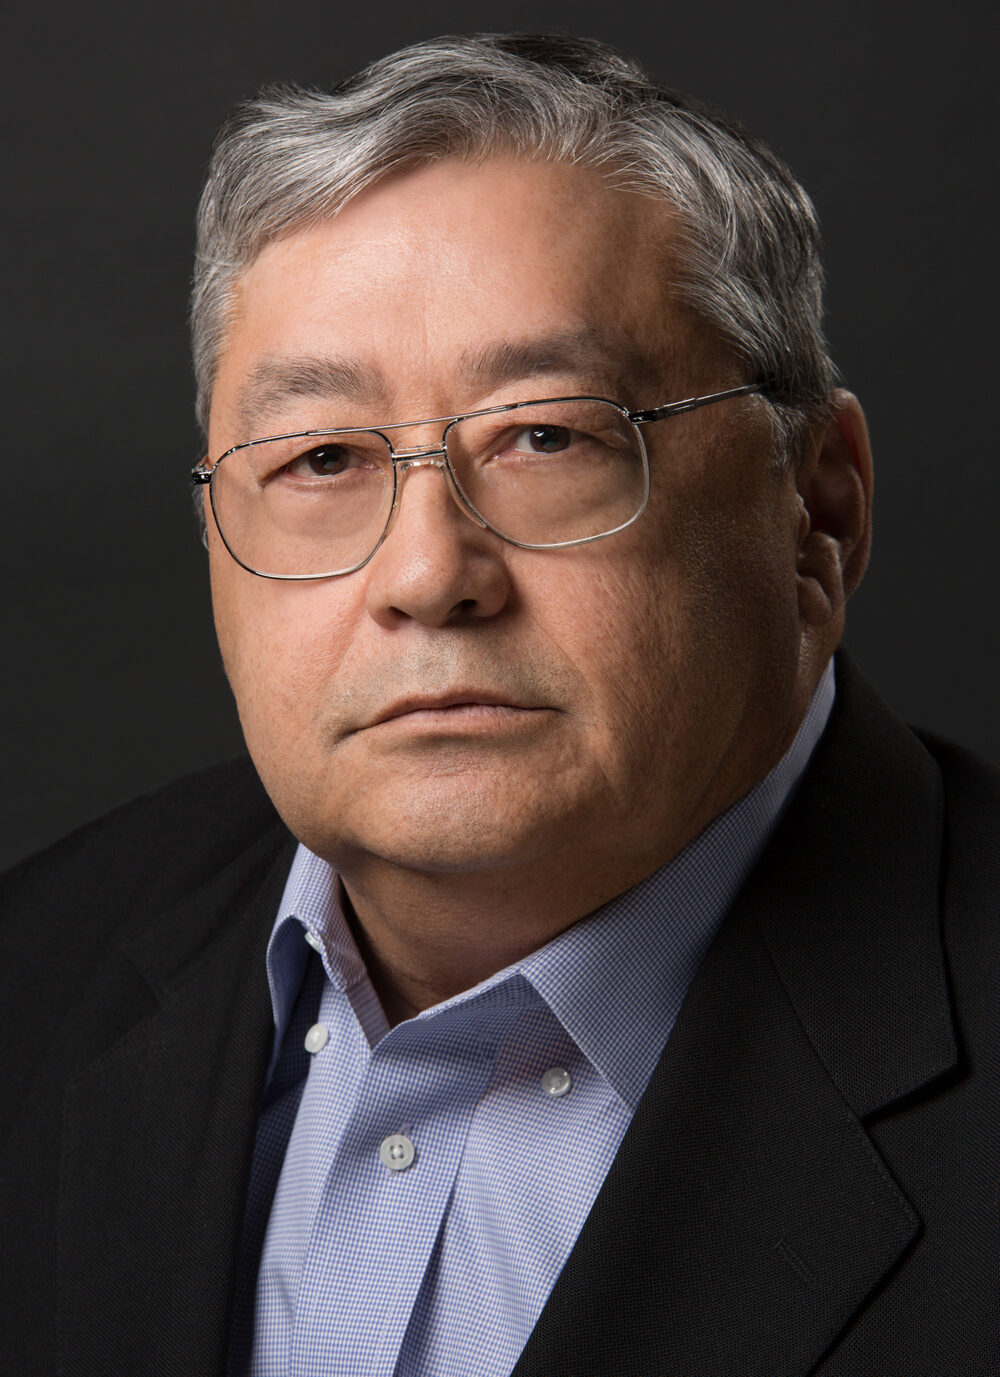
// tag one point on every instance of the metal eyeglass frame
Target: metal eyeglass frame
(437, 456)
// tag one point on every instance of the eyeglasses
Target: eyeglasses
(541, 475)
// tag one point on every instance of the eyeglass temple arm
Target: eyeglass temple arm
(659, 413)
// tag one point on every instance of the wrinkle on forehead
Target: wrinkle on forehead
(556, 274)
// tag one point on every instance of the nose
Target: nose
(438, 564)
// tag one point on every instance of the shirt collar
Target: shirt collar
(617, 1009)
(620, 1009)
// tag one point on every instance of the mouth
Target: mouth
(453, 709)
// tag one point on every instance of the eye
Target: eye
(325, 461)
(544, 439)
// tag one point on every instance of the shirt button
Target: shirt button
(313, 941)
(317, 1038)
(396, 1152)
(556, 1082)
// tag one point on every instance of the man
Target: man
(565, 1004)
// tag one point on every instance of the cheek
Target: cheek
(674, 629)
(281, 645)
(614, 620)
(742, 613)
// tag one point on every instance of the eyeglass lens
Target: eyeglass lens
(539, 474)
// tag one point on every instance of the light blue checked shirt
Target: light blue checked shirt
(511, 1099)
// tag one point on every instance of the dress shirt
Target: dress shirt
(416, 1191)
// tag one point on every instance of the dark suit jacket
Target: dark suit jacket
(810, 1182)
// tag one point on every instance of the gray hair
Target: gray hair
(749, 265)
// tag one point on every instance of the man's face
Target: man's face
(458, 704)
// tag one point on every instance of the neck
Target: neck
(426, 937)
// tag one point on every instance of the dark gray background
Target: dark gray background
(112, 683)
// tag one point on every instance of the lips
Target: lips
(472, 698)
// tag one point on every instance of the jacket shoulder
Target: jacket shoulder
(159, 845)
(971, 870)
(971, 825)
(62, 910)
(969, 781)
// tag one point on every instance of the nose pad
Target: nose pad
(430, 459)
(420, 458)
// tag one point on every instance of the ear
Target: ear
(834, 483)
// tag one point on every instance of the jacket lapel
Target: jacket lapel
(159, 1132)
(748, 1216)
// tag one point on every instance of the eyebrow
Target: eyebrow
(273, 382)
(607, 361)
(602, 358)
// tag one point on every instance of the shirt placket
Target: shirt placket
(386, 1189)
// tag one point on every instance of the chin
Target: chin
(461, 847)
(458, 824)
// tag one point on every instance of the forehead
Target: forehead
(436, 286)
